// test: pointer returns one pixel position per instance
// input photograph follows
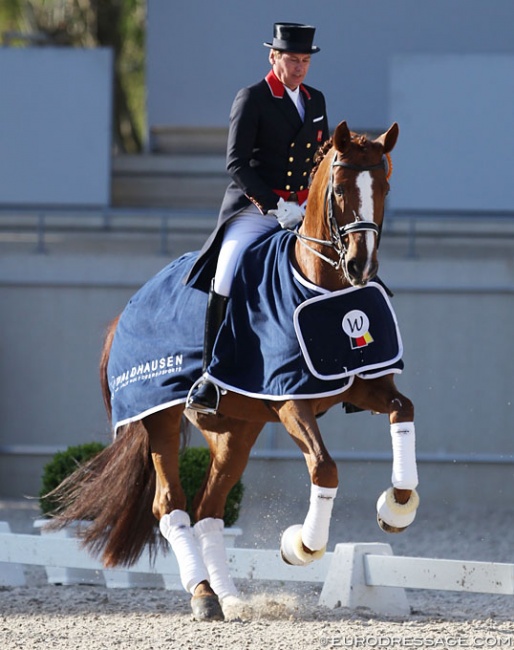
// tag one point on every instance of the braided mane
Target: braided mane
(320, 155)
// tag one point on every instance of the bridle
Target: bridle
(339, 233)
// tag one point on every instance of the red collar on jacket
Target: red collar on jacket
(278, 89)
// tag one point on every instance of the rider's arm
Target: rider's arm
(242, 141)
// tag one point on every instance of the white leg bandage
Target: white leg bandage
(209, 533)
(176, 528)
(405, 473)
(316, 526)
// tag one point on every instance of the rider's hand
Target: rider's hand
(288, 213)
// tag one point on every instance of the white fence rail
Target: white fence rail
(354, 575)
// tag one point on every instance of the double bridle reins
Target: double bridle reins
(338, 233)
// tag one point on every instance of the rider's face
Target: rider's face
(291, 68)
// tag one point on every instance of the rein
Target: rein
(338, 233)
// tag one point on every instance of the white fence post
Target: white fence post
(11, 575)
(346, 582)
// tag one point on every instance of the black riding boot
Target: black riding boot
(204, 395)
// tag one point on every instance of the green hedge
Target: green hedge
(193, 463)
(60, 467)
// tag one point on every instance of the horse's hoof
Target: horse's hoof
(284, 558)
(206, 608)
(292, 550)
(387, 528)
(394, 517)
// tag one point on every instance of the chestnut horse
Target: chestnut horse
(135, 481)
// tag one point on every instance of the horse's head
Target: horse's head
(349, 189)
(359, 189)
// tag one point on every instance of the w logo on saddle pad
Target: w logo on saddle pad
(356, 325)
(322, 322)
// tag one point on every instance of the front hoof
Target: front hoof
(292, 550)
(206, 608)
(387, 528)
(394, 517)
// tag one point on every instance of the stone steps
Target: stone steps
(184, 169)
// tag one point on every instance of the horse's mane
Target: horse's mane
(358, 139)
(320, 155)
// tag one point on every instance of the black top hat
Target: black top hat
(293, 37)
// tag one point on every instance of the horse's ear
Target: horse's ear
(342, 137)
(389, 138)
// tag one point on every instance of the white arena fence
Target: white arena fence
(353, 575)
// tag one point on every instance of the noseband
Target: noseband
(339, 233)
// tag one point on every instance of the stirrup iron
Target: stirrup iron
(206, 410)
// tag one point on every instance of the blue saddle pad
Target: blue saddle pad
(282, 336)
(261, 350)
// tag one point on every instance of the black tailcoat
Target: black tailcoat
(269, 148)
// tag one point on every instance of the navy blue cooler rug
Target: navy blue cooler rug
(282, 336)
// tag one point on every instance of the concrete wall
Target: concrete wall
(200, 53)
(55, 126)
(455, 312)
(448, 156)
(442, 71)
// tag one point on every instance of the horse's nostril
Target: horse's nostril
(359, 272)
(354, 269)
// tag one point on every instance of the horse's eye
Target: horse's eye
(339, 190)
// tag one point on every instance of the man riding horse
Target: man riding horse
(276, 126)
(325, 272)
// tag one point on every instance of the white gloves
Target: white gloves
(288, 213)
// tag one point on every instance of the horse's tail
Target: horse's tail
(114, 490)
(104, 360)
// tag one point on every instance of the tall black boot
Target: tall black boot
(204, 395)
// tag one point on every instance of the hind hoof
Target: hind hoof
(206, 608)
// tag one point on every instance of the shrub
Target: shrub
(193, 463)
(60, 467)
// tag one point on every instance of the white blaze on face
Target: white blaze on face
(365, 188)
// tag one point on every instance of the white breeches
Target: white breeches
(240, 232)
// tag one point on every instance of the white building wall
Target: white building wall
(456, 150)
(55, 126)
(201, 52)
